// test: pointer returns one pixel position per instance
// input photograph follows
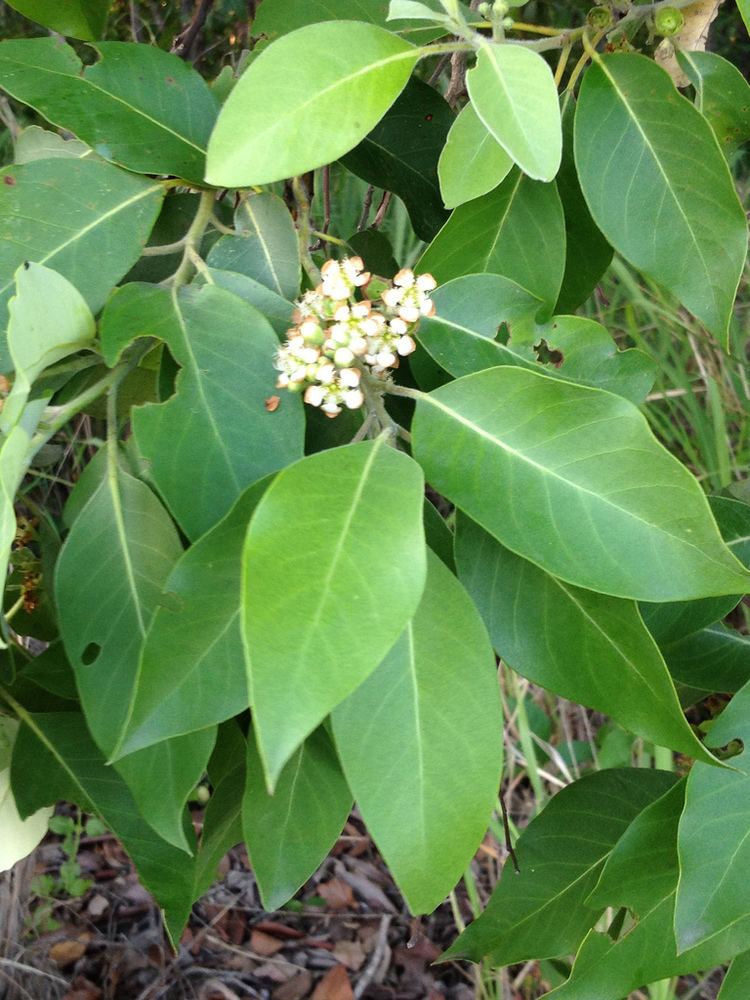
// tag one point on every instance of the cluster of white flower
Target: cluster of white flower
(338, 337)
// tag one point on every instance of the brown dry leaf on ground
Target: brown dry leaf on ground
(334, 985)
(337, 894)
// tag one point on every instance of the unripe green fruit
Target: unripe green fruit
(599, 18)
(485, 10)
(668, 21)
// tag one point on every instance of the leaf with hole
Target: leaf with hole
(325, 514)
(420, 742)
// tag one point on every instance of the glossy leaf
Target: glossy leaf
(514, 94)
(472, 161)
(463, 338)
(35, 143)
(67, 213)
(304, 654)
(222, 817)
(161, 780)
(670, 622)
(420, 742)
(609, 969)
(276, 310)
(401, 154)
(192, 671)
(37, 338)
(715, 659)
(541, 911)
(105, 604)
(139, 106)
(713, 842)
(584, 646)
(736, 985)
(19, 836)
(588, 254)
(438, 535)
(306, 100)
(722, 95)
(517, 231)
(214, 436)
(266, 249)
(657, 184)
(83, 19)
(288, 834)
(54, 758)
(513, 449)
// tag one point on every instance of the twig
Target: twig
(382, 209)
(184, 43)
(366, 204)
(379, 953)
(136, 27)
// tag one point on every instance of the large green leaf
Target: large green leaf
(306, 100)
(54, 758)
(266, 249)
(744, 8)
(334, 568)
(514, 94)
(670, 622)
(144, 108)
(401, 154)
(472, 161)
(517, 231)
(288, 834)
(277, 311)
(35, 143)
(584, 646)
(736, 985)
(214, 436)
(715, 659)
(463, 338)
(573, 479)
(642, 874)
(161, 780)
(192, 671)
(108, 579)
(78, 18)
(713, 843)
(37, 337)
(658, 186)
(20, 836)
(588, 254)
(87, 220)
(541, 911)
(722, 95)
(421, 743)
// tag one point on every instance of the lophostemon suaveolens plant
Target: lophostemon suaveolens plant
(341, 337)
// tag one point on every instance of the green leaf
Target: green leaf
(713, 843)
(420, 742)
(55, 758)
(588, 254)
(288, 834)
(517, 231)
(670, 622)
(192, 671)
(409, 9)
(715, 659)
(472, 161)
(657, 184)
(515, 449)
(401, 154)
(722, 95)
(514, 94)
(144, 108)
(37, 338)
(329, 584)
(642, 874)
(306, 100)
(744, 8)
(461, 337)
(35, 143)
(584, 646)
(279, 17)
(438, 535)
(266, 249)
(375, 249)
(162, 778)
(83, 19)
(541, 911)
(276, 310)
(736, 985)
(19, 836)
(105, 604)
(214, 436)
(67, 213)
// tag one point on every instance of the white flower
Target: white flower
(350, 377)
(353, 399)
(406, 345)
(314, 395)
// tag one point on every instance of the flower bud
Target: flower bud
(350, 377)
(406, 345)
(314, 395)
(426, 283)
(343, 357)
(599, 18)
(353, 399)
(668, 21)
